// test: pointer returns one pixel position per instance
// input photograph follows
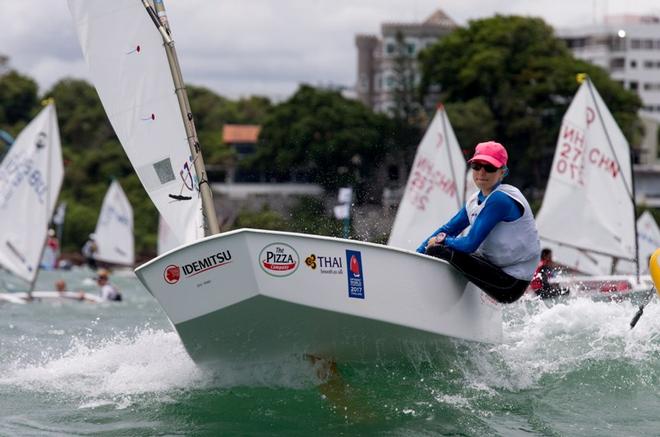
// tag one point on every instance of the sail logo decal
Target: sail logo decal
(18, 170)
(279, 259)
(331, 265)
(441, 140)
(355, 274)
(174, 273)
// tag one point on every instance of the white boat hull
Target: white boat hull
(259, 295)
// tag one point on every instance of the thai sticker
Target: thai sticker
(355, 274)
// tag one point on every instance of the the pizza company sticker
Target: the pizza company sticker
(279, 259)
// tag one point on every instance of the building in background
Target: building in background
(379, 58)
(628, 47)
(242, 139)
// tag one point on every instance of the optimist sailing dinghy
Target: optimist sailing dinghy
(591, 183)
(252, 294)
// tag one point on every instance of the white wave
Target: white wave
(125, 369)
(555, 340)
(152, 361)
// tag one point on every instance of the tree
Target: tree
(18, 101)
(212, 112)
(324, 137)
(80, 114)
(472, 121)
(526, 77)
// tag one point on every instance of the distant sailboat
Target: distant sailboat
(588, 213)
(114, 228)
(252, 294)
(31, 176)
(436, 188)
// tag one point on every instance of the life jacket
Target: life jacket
(512, 246)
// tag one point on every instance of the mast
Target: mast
(208, 210)
(48, 169)
(632, 177)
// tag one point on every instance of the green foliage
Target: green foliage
(311, 217)
(264, 219)
(308, 216)
(82, 119)
(526, 77)
(213, 111)
(473, 122)
(80, 221)
(18, 101)
(326, 138)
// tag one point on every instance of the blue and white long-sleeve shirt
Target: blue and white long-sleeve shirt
(500, 207)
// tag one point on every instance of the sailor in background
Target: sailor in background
(51, 251)
(545, 270)
(501, 250)
(108, 291)
(89, 251)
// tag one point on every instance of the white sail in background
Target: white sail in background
(166, 238)
(587, 213)
(114, 228)
(128, 65)
(31, 176)
(436, 186)
(648, 240)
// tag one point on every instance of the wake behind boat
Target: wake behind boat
(255, 295)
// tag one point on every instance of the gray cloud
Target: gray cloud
(243, 47)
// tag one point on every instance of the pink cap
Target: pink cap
(492, 153)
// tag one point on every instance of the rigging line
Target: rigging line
(631, 195)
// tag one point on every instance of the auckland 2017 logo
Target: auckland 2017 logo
(173, 272)
(355, 274)
(279, 259)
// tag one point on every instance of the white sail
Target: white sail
(128, 65)
(30, 180)
(648, 240)
(114, 228)
(166, 237)
(587, 212)
(436, 186)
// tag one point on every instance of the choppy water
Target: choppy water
(120, 369)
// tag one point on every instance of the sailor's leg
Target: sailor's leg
(493, 280)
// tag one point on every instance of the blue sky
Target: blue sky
(267, 47)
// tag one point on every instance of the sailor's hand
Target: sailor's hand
(437, 240)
